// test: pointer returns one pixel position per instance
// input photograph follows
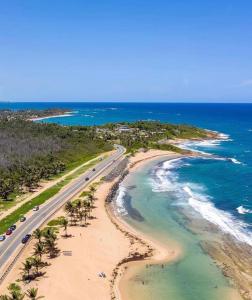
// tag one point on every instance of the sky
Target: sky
(131, 50)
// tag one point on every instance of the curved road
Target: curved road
(13, 242)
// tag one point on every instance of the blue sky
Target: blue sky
(127, 50)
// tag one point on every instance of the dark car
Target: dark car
(93, 169)
(13, 227)
(8, 232)
(22, 219)
(26, 238)
(86, 178)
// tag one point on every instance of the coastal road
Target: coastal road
(12, 244)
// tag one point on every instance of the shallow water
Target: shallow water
(194, 276)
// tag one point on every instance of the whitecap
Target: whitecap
(234, 160)
(165, 179)
(119, 201)
(242, 210)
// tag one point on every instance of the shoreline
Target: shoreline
(152, 251)
(123, 241)
(231, 257)
(67, 114)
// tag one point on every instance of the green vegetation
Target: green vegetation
(31, 151)
(12, 218)
(16, 293)
(149, 134)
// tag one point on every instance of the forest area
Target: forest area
(32, 151)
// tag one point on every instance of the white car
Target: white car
(35, 208)
(2, 238)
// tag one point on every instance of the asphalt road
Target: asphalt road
(13, 242)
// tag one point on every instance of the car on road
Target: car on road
(22, 219)
(93, 170)
(35, 208)
(86, 178)
(26, 238)
(13, 227)
(2, 238)
(8, 232)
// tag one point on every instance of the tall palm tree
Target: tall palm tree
(32, 294)
(15, 292)
(69, 209)
(51, 248)
(14, 295)
(39, 249)
(36, 263)
(82, 215)
(27, 266)
(49, 234)
(38, 234)
(92, 189)
(87, 207)
(65, 224)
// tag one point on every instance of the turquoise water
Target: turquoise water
(218, 190)
(150, 208)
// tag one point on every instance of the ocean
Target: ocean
(167, 193)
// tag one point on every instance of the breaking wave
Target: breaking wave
(242, 210)
(164, 178)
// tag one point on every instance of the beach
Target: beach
(97, 248)
(109, 245)
(52, 116)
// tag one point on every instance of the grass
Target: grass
(56, 222)
(12, 218)
(4, 205)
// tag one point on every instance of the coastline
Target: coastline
(49, 117)
(149, 251)
(110, 245)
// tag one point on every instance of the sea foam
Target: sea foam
(165, 179)
(242, 210)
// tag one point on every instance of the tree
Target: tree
(51, 247)
(32, 294)
(82, 215)
(91, 198)
(69, 209)
(92, 189)
(38, 234)
(7, 186)
(15, 292)
(36, 263)
(27, 266)
(65, 225)
(39, 249)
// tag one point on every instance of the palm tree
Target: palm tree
(65, 224)
(15, 292)
(38, 234)
(92, 189)
(91, 198)
(14, 295)
(39, 249)
(49, 234)
(51, 248)
(69, 208)
(36, 263)
(32, 294)
(14, 287)
(82, 215)
(27, 266)
(87, 207)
